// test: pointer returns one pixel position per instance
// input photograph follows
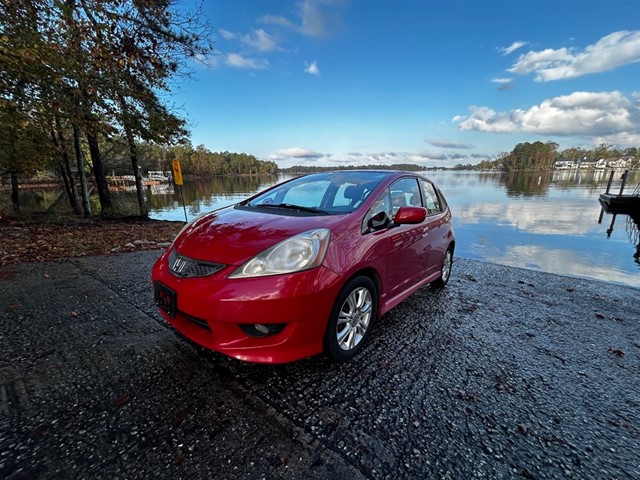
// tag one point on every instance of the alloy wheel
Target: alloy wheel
(354, 318)
(446, 266)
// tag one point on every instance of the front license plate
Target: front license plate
(165, 299)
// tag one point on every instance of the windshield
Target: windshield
(321, 193)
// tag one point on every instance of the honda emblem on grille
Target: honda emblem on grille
(178, 265)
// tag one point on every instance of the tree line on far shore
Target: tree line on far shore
(194, 161)
(543, 156)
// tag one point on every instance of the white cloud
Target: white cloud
(580, 113)
(449, 144)
(610, 52)
(512, 48)
(317, 18)
(631, 139)
(503, 83)
(367, 158)
(211, 61)
(276, 20)
(484, 119)
(295, 152)
(294, 156)
(544, 60)
(238, 61)
(257, 39)
(312, 69)
(227, 35)
(260, 40)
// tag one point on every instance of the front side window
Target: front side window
(405, 192)
(379, 215)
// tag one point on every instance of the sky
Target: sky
(435, 83)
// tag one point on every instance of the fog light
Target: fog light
(261, 328)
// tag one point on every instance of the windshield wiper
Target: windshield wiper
(291, 206)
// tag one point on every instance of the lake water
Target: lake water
(542, 221)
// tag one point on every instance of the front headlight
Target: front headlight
(302, 252)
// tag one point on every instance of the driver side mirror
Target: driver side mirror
(410, 215)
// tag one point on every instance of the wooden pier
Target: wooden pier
(628, 204)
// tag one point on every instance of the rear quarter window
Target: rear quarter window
(431, 199)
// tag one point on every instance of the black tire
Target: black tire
(352, 317)
(445, 270)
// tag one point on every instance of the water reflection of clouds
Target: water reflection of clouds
(560, 261)
(545, 219)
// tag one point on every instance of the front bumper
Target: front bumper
(209, 311)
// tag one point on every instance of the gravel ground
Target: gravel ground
(506, 373)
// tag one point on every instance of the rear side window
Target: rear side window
(431, 199)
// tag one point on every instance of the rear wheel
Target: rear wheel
(445, 271)
(353, 314)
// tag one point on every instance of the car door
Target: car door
(438, 224)
(408, 244)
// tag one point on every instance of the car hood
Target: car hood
(233, 235)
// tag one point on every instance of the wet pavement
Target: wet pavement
(506, 373)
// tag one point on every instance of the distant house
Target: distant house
(593, 164)
(623, 162)
(564, 164)
(163, 176)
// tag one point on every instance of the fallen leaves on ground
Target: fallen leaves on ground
(122, 400)
(33, 242)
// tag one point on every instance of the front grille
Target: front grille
(184, 267)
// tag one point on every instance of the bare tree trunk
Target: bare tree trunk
(86, 206)
(67, 184)
(133, 152)
(106, 204)
(70, 182)
(13, 196)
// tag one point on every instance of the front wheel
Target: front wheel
(351, 318)
(445, 271)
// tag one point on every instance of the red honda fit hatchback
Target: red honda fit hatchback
(306, 266)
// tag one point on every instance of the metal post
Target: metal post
(610, 229)
(624, 181)
(608, 188)
(610, 180)
(183, 205)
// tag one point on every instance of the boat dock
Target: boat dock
(621, 203)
